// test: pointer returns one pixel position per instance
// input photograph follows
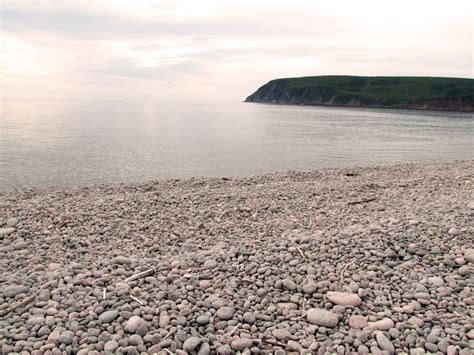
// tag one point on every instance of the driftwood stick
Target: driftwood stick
(141, 274)
(23, 302)
(136, 300)
(298, 248)
(269, 341)
(168, 335)
(364, 200)
(266, 232)
(230, 334)
(302, 316)
(344, 269)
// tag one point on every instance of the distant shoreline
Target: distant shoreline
(394, 92)
(359, 107)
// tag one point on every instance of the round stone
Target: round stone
(202, 320)
(453, 231)
(225, 313)
(322, 317)
(384, 343)
(111, 346)
(108, 316)
(436, 281)
(281, 334)
(357, 322)
(249, 317)
(121, 260)
(205, 284)
(241, 344)
(134, 323)
(12, 222)
(344, 298)
(383, 324)
(13, 291)
(464, 270)
(66, 337)
(191, 343)
(288, 284)
(135, 339)
(469, 255)
(210, 264)
(6, 231)
(310, 288)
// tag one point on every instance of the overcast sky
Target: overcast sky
(222, 49)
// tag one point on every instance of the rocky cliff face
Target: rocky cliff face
(279, 93)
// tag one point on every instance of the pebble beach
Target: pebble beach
(344, 260)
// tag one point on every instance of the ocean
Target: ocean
(69, 143)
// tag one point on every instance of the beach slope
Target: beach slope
(349, 259)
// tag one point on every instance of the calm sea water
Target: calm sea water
(77, 143)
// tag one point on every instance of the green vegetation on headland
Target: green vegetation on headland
(429, 93)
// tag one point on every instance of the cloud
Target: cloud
(76, 21)
(123, 67)
(225, 48)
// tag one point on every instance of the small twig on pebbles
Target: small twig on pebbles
(302, 316)
(141, 274)
(23, 302)
(104, 294)
(344, 269)
(364, 200)
(136, 300)
(168, 351)
(230, 334)
(266, 232)
(298, 248)
(269, 341)
(168, 335)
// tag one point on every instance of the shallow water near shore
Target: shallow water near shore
(45, 143)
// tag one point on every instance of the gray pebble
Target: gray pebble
(108, 316)
(191, 343)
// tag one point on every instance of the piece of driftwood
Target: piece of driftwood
(141, 274)
(269, 341)
(302, 316)
(136, 300)
(344, 269)
(300, 251)
(266, 232)
(230, 334)
(364, 200)
(24, 301)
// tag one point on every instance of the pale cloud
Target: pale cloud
(221, 49)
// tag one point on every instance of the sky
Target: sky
(220, 50)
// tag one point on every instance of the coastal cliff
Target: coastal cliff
(422, 93)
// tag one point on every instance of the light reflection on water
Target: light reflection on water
(44, 143)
